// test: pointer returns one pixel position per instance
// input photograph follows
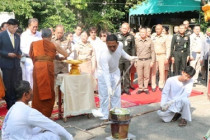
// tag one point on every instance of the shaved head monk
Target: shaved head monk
(43, 53)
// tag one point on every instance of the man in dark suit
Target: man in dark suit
(10, 60)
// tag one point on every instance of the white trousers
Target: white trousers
(27, 70)
(181, 106)
(103, 93)
(47, 135)
(196, 65)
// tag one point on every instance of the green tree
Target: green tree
(21, 8)
(49, 13)
(52, 13)
(104, 14)
(204, 25)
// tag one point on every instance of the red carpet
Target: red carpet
(153, 97)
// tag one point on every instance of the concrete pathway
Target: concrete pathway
(149, 126)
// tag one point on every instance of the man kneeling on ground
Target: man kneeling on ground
(25, 123)
(175, 102)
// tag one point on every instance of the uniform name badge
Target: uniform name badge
(186, 38)
(126, 43)
(178, 39)
(185, 46)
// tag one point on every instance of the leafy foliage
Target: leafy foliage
(204, 25)
(104, 14)
(133, 3)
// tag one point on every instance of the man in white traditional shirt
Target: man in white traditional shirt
(103, 35)
(25, 123)
(77, 34)
(93, 39)
(27, 37)
(195, 51)
(97, 44)
(205, 52)
(109, 75)
(174, 101)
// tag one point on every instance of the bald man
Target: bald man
(60, 67)
(128, 42)
(188, 29)
(162, 51)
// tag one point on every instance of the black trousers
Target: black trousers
(123, 65)
(180, 61)
(207, 70)
(11, 77)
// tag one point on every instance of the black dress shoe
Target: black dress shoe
(161, 89)
(153, 89)
(131, 87)
(139, 91)
(147, 91)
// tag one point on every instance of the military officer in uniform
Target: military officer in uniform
(129, 47)
(61, 67)
(146, 59)
(162, 51)
(180, 50)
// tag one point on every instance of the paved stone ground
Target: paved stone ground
(149, 126)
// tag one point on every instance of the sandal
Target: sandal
(176, 117)
(183, 122)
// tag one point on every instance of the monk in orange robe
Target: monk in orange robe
(42, 54)
(2, 88)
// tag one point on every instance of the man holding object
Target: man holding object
(10, 60)
(175, 102)
(109, 74)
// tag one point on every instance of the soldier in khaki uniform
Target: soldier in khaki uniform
(85, 51)
(146, 58)
(61, 67)
(162, 51)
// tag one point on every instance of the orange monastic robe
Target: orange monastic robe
(43, 53)
(2, 88)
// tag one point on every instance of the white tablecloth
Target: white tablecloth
(78, 91)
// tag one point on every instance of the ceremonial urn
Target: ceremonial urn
(120, 118)
(74, 66)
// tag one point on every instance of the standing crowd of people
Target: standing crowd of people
(36, 57)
